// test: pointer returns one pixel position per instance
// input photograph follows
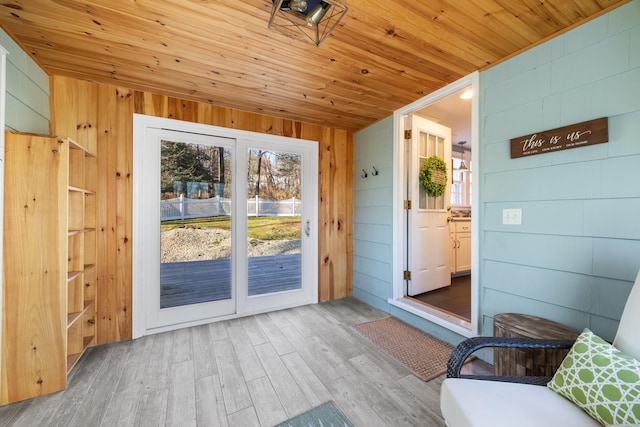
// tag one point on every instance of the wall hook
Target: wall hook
(375, 171)
(364, 173)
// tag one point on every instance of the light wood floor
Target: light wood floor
(255, 371)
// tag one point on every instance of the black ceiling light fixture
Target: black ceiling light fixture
(308, 20)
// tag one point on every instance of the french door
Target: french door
(226, 225)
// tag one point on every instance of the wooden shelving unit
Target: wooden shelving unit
(49, 265)
(81, 253)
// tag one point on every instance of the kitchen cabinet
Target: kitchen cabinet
(460, 246)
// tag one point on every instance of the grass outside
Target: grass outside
(262, 227)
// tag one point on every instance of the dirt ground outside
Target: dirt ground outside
(197, 244)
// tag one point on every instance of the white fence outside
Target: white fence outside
(183, 208)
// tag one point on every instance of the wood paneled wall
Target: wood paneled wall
(88, 111)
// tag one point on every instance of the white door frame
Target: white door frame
(399, 166)
(142, 126)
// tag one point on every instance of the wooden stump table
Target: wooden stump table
(528, 362)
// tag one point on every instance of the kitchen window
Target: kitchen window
(461, 182)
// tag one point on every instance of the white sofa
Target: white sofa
(468, 402)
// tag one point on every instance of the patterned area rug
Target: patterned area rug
(423, 354)
(325, 415)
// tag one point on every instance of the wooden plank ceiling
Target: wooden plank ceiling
(383, 55)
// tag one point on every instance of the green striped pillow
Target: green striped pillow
(600, 379)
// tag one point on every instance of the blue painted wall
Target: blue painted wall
(372, 231)
(27, 102)
(575, 255)
(577, 252)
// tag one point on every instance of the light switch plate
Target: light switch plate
(512, 216)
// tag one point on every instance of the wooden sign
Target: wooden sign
(564, 138)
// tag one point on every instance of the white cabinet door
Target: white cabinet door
(454, 245)
(463, 252)
(461, 243)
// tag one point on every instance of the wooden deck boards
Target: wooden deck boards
(254, 371)
(193, 282)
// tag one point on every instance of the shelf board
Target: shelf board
(77, 189)
(85, 191)
(73, 317)
(75, 232)
(72, 359)
(74, 145)
(88, 267)
(87, 341)
(87, 304)
(72, 275)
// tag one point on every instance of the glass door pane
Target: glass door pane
(274, 226)
(430, 145)
(195, 224)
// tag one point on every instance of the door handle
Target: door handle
(307, 228)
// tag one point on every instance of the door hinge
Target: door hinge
(408, 134)
(407, 205)
(407, 275)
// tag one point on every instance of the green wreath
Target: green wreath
(433, 176)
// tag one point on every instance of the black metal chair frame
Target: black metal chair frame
(469, 346)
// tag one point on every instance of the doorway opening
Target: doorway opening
(437, 268)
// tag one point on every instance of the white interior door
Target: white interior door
(428, 237)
